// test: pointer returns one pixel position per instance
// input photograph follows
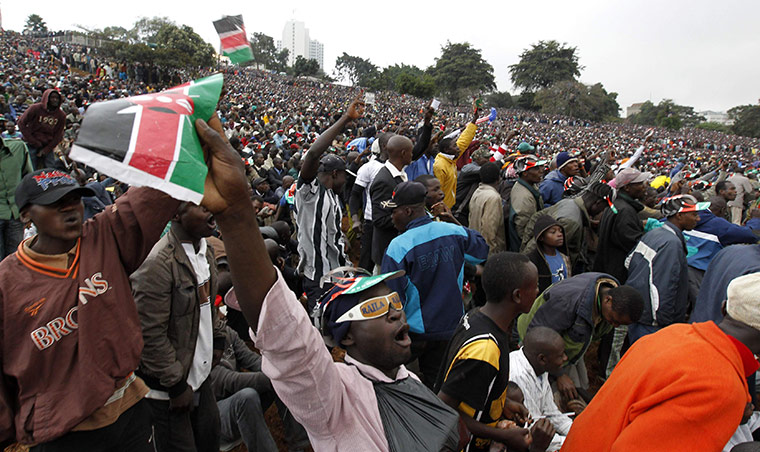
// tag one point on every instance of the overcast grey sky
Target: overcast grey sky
(703, 53)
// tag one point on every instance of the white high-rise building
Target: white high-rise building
(317, 52)
(295, 38)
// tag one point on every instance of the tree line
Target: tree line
(546, 74)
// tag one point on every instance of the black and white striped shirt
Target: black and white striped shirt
(320, 238)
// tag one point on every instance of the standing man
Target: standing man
(320, 238)
(433, 255)
(66, 304)
(553, 185)
(744, 194)
(658, 270)
(449, 151)
(525, 199)
(486, 211)
(620, 231)
(360, 199)
(42, 125)
(385, 182)
(14, 165)
(173, 290)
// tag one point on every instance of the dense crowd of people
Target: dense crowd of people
(387, 272)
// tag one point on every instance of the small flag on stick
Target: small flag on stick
(235, 43)
(151, 139)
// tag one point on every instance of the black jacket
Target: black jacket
(384, 231)
(618, 235)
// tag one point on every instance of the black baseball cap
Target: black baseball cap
(47, 186)
(406, 194)
(330, 163)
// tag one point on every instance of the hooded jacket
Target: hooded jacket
(525, 200)
(539, 260)
(572, 215)
(618, 234)
(41, 127)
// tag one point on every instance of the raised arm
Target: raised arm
(311, 160)
(228, 201)
(423, 137)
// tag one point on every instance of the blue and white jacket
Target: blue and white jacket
(657, 269)
(433, 255)
(710, 236)
(552, 188)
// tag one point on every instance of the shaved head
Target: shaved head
(397, 145)
(273, 249)
(542, 340)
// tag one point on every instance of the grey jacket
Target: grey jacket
(227, 378)
(166, 292)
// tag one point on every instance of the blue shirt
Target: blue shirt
(433, 255)
(556, 267)
(423, 165)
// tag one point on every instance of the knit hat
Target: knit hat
(563, 158)
(743, 302)
(681, 203)
(543, 223)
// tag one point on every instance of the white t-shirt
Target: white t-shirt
(364, 178)
(204, 345)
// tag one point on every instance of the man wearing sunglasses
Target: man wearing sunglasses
(370, 402)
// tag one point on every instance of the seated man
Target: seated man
(350, 410)
(582, 308)
(476, 372)
(543, 351)
(243, 397)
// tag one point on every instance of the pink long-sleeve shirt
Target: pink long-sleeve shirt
(335, 402)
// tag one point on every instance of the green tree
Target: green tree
(461, 71)
(36, 25)
(500, 99)
(526, 101)
(714, 126)
(280, 63)
(545, 64)
(182, 46)
(356, 70)
(264, 50)
(575, 99)
(666, 114)
(145, 29)
(746, 120)
(305, 67)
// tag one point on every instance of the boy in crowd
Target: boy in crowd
(543, 351)
(474, 376)
(553, 265)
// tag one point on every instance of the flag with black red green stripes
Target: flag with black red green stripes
(151, 139)
(235, 43)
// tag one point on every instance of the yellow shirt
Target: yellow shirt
(445, 166)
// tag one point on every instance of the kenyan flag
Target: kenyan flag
(151, 140)
(234, 41)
